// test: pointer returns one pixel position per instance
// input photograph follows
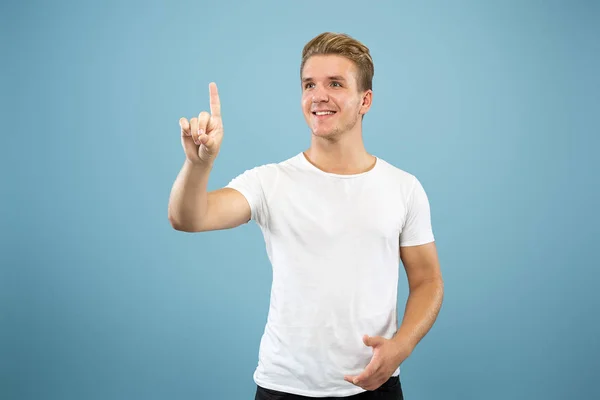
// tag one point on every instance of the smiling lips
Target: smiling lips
(323, 113)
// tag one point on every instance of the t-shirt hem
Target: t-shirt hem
(417, 242)
(311, 393)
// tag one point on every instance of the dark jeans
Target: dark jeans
(390, 390)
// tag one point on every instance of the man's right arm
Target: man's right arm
(193, 209)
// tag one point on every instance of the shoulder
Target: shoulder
(267, 174)
(276, 167)
(405, 184)
(398, 175)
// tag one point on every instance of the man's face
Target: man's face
(331, 102)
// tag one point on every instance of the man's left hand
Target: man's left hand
(387, 357)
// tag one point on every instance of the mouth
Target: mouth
(323, 114)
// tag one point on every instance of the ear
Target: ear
(367, 100)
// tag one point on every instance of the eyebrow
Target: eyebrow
(331, 78)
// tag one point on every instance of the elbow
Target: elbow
(178, 225)
(175, 224)
(182, 227)
(434, 283)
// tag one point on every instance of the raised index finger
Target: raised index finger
(215, 103)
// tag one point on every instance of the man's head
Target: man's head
(336, 74)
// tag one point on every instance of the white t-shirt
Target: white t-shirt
(333, 243)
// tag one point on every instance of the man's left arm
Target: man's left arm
(426, 292)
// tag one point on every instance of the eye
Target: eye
(308, 85)
(337, 84)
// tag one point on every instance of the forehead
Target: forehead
(323, 66)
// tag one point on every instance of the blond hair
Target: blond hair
(343, 45)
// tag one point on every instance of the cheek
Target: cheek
(354, 104)
(350, 105)
(305, 102)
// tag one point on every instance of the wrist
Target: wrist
(404, 345)
(199, 164)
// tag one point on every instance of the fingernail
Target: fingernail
(200, 131)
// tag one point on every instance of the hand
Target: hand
(201, 137)
(387, 356)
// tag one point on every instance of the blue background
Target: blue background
(493, 105)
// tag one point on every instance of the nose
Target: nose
(319, 95)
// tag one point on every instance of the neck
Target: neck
(345, 155)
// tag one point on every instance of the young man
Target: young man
(337, 221)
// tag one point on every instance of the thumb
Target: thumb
(207, 141)
(372, 341)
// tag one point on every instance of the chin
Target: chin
(325, 133)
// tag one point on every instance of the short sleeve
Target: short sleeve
(417, 227)
(254, 184)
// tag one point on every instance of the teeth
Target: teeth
(324, 112)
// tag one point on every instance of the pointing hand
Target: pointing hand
(201, 137)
